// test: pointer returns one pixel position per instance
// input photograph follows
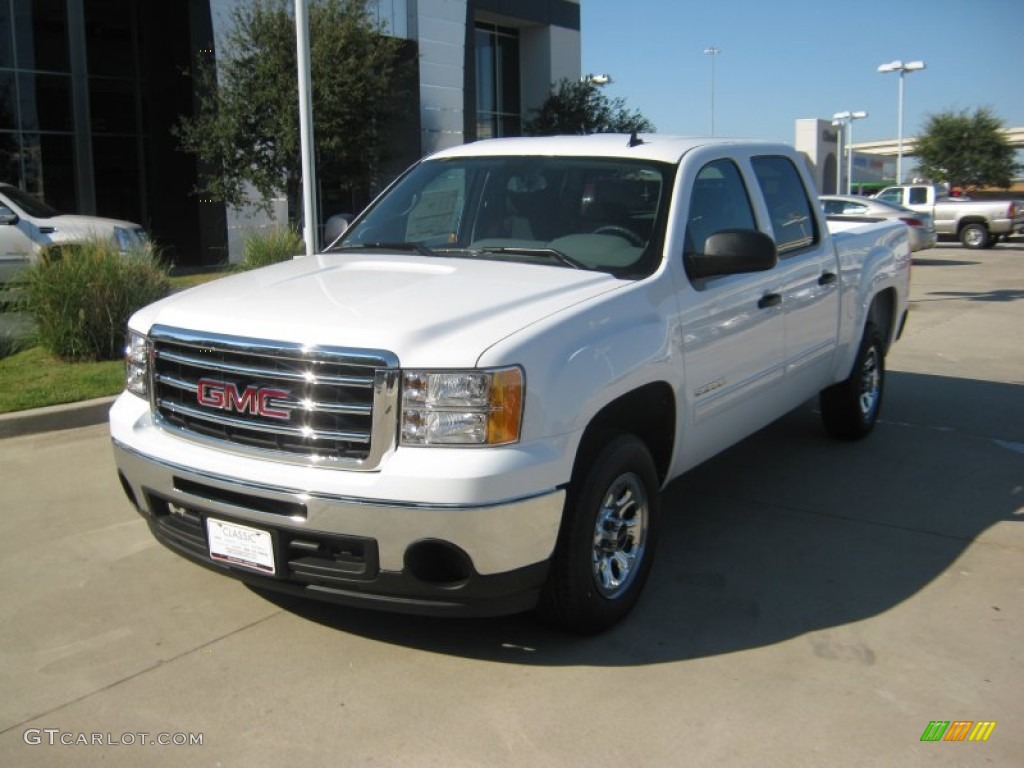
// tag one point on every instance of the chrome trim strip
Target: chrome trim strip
(268, 429)
(370, 358)
(215, 365)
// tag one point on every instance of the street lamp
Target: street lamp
(846, 119)
(597, 79)
(713, 52)
(899, 66)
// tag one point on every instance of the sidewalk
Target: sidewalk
(54, 417)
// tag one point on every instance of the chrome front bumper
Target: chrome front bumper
(430, 559)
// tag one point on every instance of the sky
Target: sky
(781, 60)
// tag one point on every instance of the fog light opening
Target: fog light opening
(438, 562)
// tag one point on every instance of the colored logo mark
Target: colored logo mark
(958, 730)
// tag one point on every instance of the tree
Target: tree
(581, 107)
(966, 150)
(246, 126)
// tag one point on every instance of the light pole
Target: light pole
(309, 216)
(899, 66)
(845, 119)
(713, 52)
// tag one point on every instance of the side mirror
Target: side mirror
(732, 252)
(7, 216)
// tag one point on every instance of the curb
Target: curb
(55, 417)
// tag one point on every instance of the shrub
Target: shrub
(81, 298)
(270, 247)
(11, 343)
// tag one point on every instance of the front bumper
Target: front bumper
(452, 559)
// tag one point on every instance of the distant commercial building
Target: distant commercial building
(819, 141)
(89, 90)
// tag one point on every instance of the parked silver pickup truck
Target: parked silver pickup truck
(976, 223)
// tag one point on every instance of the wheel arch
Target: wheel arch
(971, 219)
(649, 412)
(882, 313)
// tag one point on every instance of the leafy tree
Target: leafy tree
(246, 127)
(581, 107)
(966, 150)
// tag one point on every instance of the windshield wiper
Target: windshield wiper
(419, 248)
(551, 253)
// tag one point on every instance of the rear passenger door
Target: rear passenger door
(808, 276)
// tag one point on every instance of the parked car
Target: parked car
(28, 226)
(975, 223)
(851, 208)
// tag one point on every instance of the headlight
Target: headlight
(136, 364)
(125, 240)
(134, 239)
(462, 407)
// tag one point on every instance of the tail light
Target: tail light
(911, 221)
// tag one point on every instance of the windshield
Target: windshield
(33, 206)
(571, 212)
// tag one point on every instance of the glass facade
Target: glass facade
(37, 151)
(498, 105)
(88, 92)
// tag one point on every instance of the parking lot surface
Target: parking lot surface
(814, 603)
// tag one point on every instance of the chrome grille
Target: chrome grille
(321, 405)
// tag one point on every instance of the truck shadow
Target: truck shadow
(786, 534)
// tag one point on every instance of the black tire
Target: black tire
(849, 409)
(975, 236)
(607, 540)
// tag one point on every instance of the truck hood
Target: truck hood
(430, 311)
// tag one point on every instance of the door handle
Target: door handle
(769, 300)
(828, 278)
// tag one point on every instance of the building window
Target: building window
(498, 110)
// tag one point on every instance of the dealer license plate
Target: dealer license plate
(240, 545)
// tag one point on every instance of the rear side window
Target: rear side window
(719, 202)
(793, 222)
(891, 196)
(918, 195)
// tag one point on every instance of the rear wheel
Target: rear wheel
(849, 409)
(975, 236)
(607, 540)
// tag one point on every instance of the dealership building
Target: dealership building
(89, 91)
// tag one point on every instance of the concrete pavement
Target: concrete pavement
(813, 603)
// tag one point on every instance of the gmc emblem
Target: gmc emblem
(224, 396)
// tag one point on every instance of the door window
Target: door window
(719, 201)
(792, 217)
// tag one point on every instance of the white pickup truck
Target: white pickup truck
(975, 223)
(471, 405)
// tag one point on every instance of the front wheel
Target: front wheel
(975, 236)
(607, 540)
(850, 408)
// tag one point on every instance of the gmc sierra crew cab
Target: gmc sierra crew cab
(469, 406)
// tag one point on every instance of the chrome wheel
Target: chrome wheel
(620, 535)
(870, 383)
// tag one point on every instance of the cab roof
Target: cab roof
(645, 146)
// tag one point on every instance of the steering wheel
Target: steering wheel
(623, 232)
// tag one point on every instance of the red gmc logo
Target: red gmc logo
(224, 396)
